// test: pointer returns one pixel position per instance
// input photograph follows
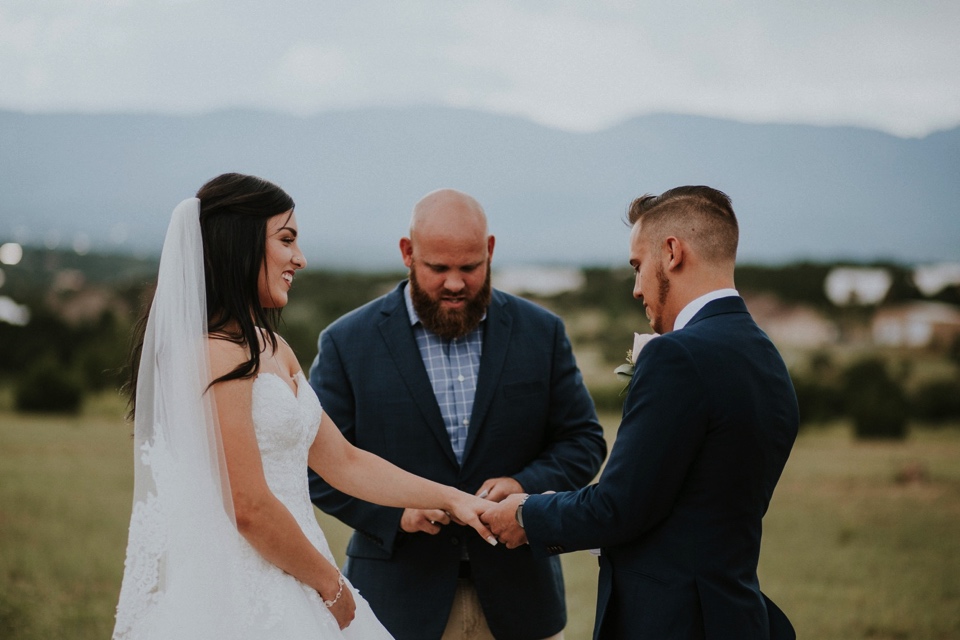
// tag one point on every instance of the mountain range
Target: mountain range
(552, 197)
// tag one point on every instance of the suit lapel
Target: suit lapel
(398, 335)
(496, 340)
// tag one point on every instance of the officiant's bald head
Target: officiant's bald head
(448, 211)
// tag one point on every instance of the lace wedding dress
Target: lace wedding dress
(286, 424)
(271, 603)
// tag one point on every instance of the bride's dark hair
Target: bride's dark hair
(234, 209)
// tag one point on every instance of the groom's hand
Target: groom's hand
(502, 521)
(423, 520)
(496, 489)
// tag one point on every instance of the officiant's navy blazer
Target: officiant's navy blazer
(708, 423)
(532, 419)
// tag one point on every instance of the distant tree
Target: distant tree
(953, 352)
(874, 401)
(48, 387)
(799, 282)
(937, 400)
(819, 401)
(902, 287)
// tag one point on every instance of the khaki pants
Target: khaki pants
(466, 617)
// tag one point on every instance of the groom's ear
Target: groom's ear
(672, 253)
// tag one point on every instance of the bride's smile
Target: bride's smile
(282, 258)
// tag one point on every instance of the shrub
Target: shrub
(937, 401)
(874, 401)
(953, 351)
(818, 401)
(47, 386)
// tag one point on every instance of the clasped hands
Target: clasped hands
(497, 510)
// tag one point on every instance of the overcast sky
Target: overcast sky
(577, 65)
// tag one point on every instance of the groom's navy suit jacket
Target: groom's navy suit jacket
(532, 419)
(708, 423)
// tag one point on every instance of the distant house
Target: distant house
(931, 279)
(541, 281)
(917, 324)
(76, 302)
(790, 325)
(857, 285)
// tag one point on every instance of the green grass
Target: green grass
(853, 548)
(849, 551)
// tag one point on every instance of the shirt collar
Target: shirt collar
(686, 315)
(411, 311)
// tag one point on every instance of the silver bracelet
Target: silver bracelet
(341, 582)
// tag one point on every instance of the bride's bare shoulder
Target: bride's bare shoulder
(225, 355)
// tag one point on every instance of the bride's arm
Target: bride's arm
(369, 477)
(261, 518)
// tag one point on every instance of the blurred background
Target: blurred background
(834, 127)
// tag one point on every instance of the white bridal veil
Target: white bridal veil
(178, 577)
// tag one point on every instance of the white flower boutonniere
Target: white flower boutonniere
(625, 371)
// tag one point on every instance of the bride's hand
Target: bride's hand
(466, 509)
(345, 608)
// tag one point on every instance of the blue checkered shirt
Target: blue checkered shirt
(452, 366)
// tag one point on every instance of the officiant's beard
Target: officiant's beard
(450, 323)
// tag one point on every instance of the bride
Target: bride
(223, 541)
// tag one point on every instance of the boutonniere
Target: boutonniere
(625, 371)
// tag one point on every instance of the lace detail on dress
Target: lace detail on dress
(140, 592)
(267, 602)
(286, 425)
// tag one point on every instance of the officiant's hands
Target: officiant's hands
(502, 520)
(423, 520)
(496, 489)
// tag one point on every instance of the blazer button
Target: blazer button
(454, 540)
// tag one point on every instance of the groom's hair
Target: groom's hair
(701, 215)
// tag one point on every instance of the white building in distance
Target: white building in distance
(857, 285)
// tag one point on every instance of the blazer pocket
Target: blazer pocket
(364, 545)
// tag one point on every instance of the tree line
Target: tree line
(82, 309)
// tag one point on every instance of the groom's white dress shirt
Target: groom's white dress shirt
(687, 313)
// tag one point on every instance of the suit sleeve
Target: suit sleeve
(663, 427)
(575, 448)
(331, 383)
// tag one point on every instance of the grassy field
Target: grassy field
(862, 539)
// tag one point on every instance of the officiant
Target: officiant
(469, 386)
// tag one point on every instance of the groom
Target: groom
(708, 423)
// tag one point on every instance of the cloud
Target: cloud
(573, 64)
(308, 71)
